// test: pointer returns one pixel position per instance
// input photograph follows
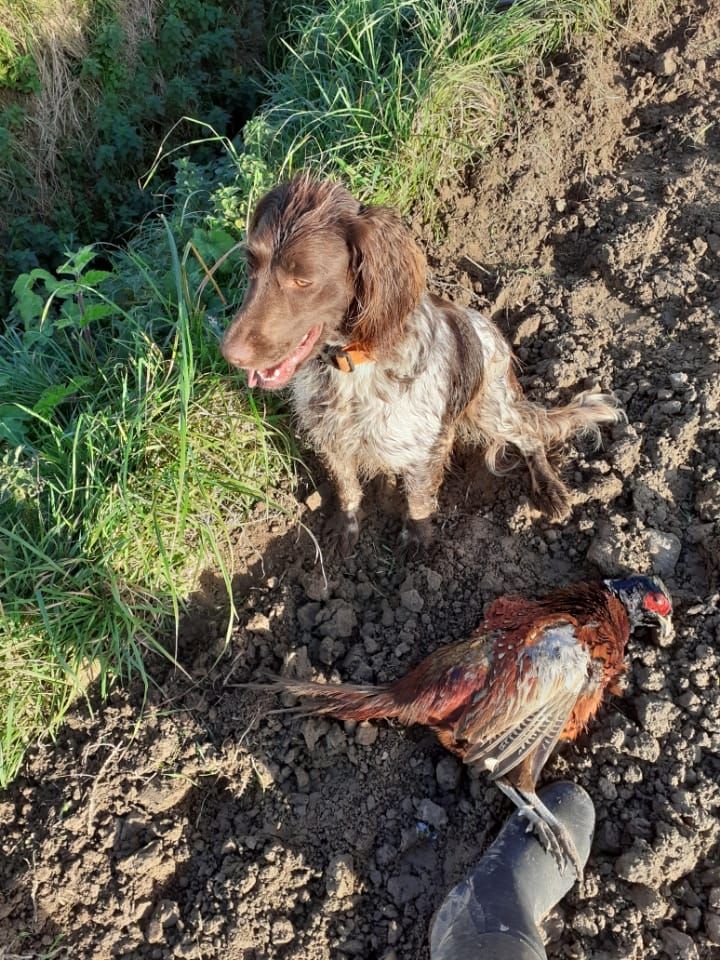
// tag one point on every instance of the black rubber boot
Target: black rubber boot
(494, 913)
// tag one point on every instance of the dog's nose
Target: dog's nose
(236, 351)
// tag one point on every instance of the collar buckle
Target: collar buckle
(346, 358)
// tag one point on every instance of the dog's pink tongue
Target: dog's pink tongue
(253, 378)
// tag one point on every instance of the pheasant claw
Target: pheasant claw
(551, 834)
(546, 836)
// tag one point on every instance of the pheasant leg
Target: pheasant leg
(553, 836)
(496, 911)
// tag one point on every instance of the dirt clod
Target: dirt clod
(678, 945)
(664, 549)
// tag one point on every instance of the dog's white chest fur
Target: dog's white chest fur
(382, 424)
(387, 419)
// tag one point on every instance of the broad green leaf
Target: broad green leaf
(93, 277)
(54, 395)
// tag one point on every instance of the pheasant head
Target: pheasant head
(647, 602)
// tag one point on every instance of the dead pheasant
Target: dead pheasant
(534, 672)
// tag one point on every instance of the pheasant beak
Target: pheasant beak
(665, 631)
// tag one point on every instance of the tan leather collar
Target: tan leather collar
(348, 357)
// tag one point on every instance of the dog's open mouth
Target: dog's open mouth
(277, 376)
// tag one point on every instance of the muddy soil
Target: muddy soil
(215, 829)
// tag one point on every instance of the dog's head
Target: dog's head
(323, 269)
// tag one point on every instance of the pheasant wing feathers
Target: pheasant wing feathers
(439, 689)
(511, 721)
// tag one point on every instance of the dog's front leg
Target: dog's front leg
(417, 531)
(342, 527)
(422, 482)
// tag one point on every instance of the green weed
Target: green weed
(87, 90)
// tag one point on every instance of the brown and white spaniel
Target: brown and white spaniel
(384, 376)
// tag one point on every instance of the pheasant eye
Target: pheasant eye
(657, 603)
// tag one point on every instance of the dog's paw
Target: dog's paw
(415, 538)
(553, 498)
(341, 533)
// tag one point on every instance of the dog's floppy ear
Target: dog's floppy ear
(388, 271)
(270, 203)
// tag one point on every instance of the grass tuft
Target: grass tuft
(393, 95)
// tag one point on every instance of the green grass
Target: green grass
(87, 89)
(130, 461)
(128, 455)
(394, 96)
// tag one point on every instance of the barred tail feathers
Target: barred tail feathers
(346, 701)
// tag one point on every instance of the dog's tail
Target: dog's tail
(532, 428)
(582, 416)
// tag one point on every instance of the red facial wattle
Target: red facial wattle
(657, 603)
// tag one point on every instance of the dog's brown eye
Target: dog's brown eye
(301, 283)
